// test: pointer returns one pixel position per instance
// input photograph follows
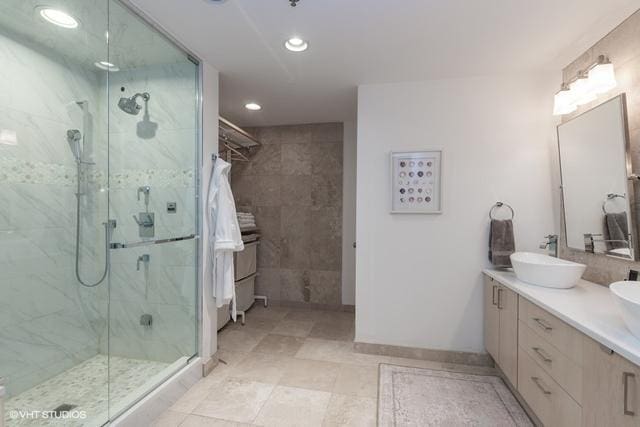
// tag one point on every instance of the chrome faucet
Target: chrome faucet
(551, 245)
(142, 258)
(589, 242)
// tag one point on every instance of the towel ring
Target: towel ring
(609, 198)
(500, 205)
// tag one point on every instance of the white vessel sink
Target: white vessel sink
(627, 295)
(543, 270)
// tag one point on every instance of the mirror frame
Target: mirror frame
(633, 223)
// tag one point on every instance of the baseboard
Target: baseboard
(210, 365)
(313, 306)
(442, 356)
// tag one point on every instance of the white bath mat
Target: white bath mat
(425, 397)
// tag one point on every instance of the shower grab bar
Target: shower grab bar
(152, 242)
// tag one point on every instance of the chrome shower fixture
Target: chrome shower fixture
(294, 3)
(74, 139)
(130, 105)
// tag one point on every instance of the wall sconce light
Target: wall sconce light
(585, 87)
(563, 102)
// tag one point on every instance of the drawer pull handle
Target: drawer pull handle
(543, 355)
(544, 325)
(540, 385)
(493, 296)
(625, 380)
(500, 306)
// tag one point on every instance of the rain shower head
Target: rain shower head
(74, 138)
(130, 105)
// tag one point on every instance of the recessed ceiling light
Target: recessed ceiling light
(296, 44)
(57, 17)
(107, 66)
(253, 106)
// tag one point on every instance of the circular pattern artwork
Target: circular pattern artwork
(421, 192)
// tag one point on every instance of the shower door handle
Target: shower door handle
(152, 242)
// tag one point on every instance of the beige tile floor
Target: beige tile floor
(289, 367)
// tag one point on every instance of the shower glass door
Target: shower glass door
(53, 157)
(98, 154)
(152, 129)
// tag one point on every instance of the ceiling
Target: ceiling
(132, 43)
(373, 41)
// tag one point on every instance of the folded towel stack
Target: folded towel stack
(246, 220)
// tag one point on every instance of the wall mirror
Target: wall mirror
(597, 195)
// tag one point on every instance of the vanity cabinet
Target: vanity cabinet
(549, 366)
(611, 388)
(501, 326)
(565, 377)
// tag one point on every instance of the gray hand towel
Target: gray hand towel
(501, 242)
(616, 228)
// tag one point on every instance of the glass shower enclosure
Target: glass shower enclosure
(98, 202)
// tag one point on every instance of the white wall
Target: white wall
(419, 281)
(210, 96)
(349, 213)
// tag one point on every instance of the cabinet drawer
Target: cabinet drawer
(611, 388)
(552, 405)
(566, 372)
(245, 293)
(245, 261)
(553, 330)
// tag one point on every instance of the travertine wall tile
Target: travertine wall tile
(326, 190)
(296, 190)
(297, 157)
(293, 185)
(268, 283)
(326, 158)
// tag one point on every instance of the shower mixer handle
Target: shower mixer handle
(142, 258)
(146, 219)
(146, 224)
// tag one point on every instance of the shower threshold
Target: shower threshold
(92, 388)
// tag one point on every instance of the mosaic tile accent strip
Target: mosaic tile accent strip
(156, 177)
(18, 171)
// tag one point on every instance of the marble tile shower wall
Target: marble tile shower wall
(622, 45)
(48, 323)
(158, 150)
(293, 184)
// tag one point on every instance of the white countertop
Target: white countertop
(588, 307)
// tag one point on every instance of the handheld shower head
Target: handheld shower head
(74, 138)
(130, 105)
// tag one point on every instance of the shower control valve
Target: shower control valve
(146, 224)
(146, 219)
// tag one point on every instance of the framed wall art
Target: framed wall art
(416, 182)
